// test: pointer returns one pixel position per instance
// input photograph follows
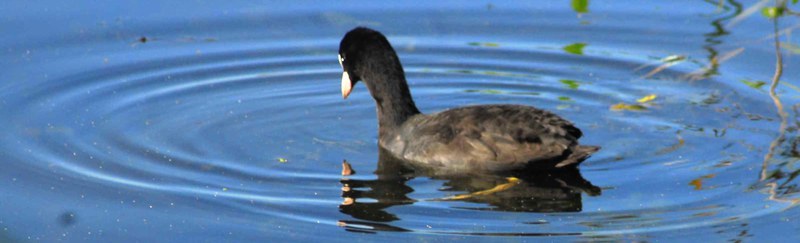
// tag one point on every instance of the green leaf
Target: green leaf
(630, 107)
(794, 1)
(673, 59)
(580, 6)
(772, 12)
(794, 49)
(647, 98)
(484, 44)
(572, 84)
(754, 84)
(564, 98)
(575, 48)
(484, 91)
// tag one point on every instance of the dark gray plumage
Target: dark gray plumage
(468, 139)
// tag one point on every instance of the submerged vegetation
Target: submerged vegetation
(777, 173)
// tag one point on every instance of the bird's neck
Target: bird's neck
(392, 99)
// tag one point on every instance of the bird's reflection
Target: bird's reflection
(543, 191)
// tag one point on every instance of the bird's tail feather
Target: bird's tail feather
(578, 155)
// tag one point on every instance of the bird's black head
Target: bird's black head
(366, 55)
(364, 50)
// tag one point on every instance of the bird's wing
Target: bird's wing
(506, 135)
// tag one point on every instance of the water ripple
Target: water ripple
(259, 130)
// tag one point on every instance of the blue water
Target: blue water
(190, 121)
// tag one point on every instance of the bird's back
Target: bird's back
(489, 138)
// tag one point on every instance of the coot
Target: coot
(481, 138)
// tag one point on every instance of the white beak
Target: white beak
(346, 85)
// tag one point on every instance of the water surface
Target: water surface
(185, 121)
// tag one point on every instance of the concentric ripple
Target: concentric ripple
(245, 136)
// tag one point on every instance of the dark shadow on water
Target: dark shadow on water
(67, 218)
(368, 201)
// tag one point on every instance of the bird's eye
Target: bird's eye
(341, 61)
